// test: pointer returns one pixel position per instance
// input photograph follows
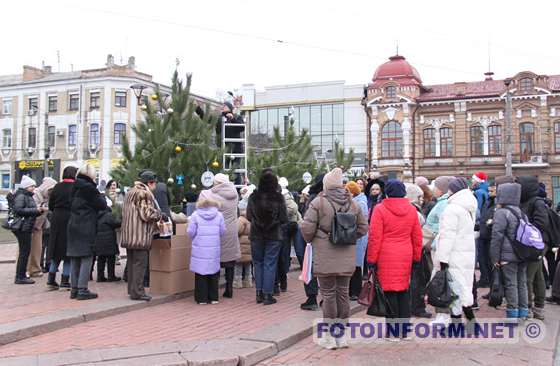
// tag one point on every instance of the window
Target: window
(429, 142)
(556, 189)
(72, 135)
(53, 103)
(51, 135)
(557, 137)
(7, 138)
(477, 141)
(391, 140)
(495, 140)
(5, 179)
(32, 104)
(32, 137)
(94, 134)
(94, 101)
(120, 99)
(446, 141)
(7, 106)
(526, 85)
(391, 92)
(120, 132)
(526, 138)
(73, 102)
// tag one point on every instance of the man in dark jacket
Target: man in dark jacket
(536, 210)
(162, 198)
(486, 215)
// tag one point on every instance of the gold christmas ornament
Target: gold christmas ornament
(154, 97)
(215, 164)
(178, 149)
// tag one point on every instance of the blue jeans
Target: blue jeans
(265, 260)
(53, 268)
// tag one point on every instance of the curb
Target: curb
(31, 327)
(244, 351)
(13, 260)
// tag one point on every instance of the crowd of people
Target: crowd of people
(402, 232)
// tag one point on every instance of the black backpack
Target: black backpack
(344, 227)
(553, 228)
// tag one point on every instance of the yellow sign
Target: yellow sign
(93, 162)
(33, 164)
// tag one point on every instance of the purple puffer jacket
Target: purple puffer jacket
(205, 229)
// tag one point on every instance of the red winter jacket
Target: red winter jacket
(395, 240)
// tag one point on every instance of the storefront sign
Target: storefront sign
(33, 164)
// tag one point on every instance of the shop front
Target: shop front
(36, 169)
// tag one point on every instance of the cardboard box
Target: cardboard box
(181, 229)
(170, 283)
(170, 255)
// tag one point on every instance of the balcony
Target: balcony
(530, 161)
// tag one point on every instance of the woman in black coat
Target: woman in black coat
(106, 247)
(60, 201)
(25, 211)
(87, 202)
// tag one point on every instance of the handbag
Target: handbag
(307, 265)
(165, 228)
(379, 305)
(13, 223)
(438, 290)
(496, 295)
(368, 291)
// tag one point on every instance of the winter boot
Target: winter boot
(228, 293)
(260, 297)
(327, 341)
(523, 314)
(73, 293)
(310, 304)
(538, 313)
(512, 313)
(85, 294)
(51, 282)
(64, 283)
(284, 285)
(269, 299)
(237, 283)
(277, 289)
(248, 283)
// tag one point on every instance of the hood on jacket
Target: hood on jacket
(225, 190)
(529, 187)
(42, 192)
(397, 205)
(482, 186)
(339, 195)
(509, 194)
(207, 213)
(465, 199)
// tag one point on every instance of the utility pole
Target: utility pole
(509, 145)
(47, 149)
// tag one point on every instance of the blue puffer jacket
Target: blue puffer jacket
(206, 227)
(361, 245)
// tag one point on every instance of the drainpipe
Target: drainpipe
(414, 141)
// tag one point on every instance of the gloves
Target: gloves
(372, 267)
(443, 266)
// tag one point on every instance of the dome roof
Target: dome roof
(397, 69)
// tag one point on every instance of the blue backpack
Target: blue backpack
(528, 243)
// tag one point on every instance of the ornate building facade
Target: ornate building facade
(430, 130)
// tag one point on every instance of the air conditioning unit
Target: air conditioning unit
(536, 159)
(93, 147)
(60, 132)
(31, 112)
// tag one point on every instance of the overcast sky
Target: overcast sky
(229, 43)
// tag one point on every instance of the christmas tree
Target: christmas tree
(290, 156)
(173, 141)
(342, 159)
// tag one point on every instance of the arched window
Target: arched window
(94, 134)
(526, 85)
(495, 140)
(446, 141)
(429, 142)
(391, 92)
(477, 141)
(526, 140)
(391, 140)
(120, 131)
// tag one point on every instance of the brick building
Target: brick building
(459, 128)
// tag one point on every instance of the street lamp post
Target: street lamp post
(509, 146)
(138, 89)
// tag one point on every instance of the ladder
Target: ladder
(234, 149)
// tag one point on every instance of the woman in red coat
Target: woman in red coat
(394, 245)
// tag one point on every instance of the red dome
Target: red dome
(398, 69)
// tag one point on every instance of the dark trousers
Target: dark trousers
(44, 264)
(137, 265)
(312, 288)
(356, 282)
(265, 259)
(24, 245)
(206, 287)
(399, 306)
(108, 260)
(229, 271)
(536, 287)
(551, 262)
(483, 252)
(284, 258)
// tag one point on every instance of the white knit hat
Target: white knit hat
(27, 182)
(283, 182)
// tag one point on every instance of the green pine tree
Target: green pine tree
(342, 159)
(171, 142)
